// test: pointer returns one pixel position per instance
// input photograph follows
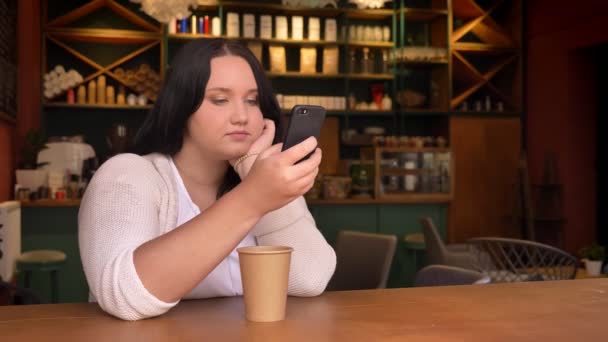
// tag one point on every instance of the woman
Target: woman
(163, 224)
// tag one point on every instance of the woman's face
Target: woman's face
(229, 120)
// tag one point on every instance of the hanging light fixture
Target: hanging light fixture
(166, 10)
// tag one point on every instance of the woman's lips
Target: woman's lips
(238, 135)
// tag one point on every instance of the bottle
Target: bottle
(184, 25)
(193, 24)
(387, 103)
(365, 61)
(445, 179)
(384, 68)
(353, 61)
(110, 95)
(82, 95)
(201, 25)
(101, 89)
(71, 96)
(92, 95)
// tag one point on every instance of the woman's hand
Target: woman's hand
(275, 179)
(263, 142)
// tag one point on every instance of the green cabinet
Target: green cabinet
(55, 228)
(398, 219)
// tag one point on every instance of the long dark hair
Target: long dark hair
(182, 94)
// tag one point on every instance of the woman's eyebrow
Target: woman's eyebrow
(228, 90)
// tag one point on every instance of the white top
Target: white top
(133, 199)
(225, 279)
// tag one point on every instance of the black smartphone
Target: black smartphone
(305, 121)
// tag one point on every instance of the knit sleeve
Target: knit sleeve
(313, 261)
(120, 212)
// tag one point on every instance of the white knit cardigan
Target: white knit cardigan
(133, 199)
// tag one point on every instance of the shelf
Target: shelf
(95, 106)
(416, 198)
(412, 150)
(480, 22)
(399, 171)
(423, 63)
(93, 6)
(297, 74)
(104, 35)
(370, 76)
(189, 36)
(422, 14)
(340, 112)
(52, 203)
(369, 14)
(7, 118)
(409, 198)
(423, 111)
(464, 69)
(289, 41)
(483, 49)
(467, 9)
(371, 112)
(370, 44)
(483, 113)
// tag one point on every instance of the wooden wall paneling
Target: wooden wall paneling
(7, 160)
(502, 152)
(467, 206)
(329, 142)
(486, 156)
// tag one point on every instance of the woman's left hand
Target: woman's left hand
(263, 142)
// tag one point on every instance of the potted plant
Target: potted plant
(593, 257)
(28, 174)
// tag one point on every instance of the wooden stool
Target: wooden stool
(42, 260)
(414, 244)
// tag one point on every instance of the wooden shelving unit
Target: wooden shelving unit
(59, 31)
(486, 53)
(418, 14)
(94, 106)
(297, 74)
(403, 195)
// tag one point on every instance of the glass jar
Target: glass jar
(390, 182)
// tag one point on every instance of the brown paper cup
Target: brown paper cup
(265, 274)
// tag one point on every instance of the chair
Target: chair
(438, 253)
(42, 261)
(513, 260)
(363, 260)
(442, 275)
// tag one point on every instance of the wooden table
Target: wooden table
(569, 310)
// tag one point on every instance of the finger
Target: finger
(307, 166)
(306, 182)
(274, 149)
(299, 151)
(268, 132)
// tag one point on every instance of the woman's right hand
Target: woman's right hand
(275, 179)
